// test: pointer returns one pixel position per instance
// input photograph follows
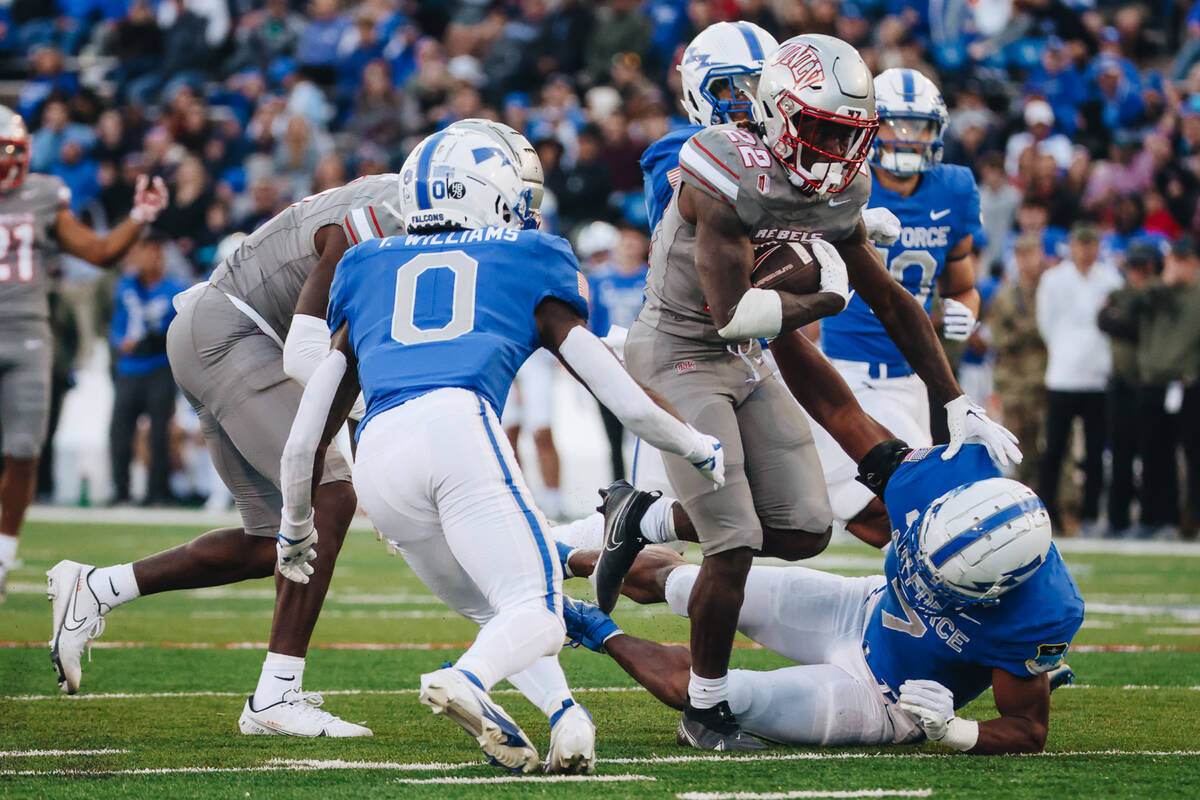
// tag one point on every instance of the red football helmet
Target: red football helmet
(14, 150)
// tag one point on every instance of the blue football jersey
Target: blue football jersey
(660, 170)
(1027, 633)
(940, 213)
(616, 298)
(448, 310)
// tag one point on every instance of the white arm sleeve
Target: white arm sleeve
(305, 348)
(600, 371)
(296, 466)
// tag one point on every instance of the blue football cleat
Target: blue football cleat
(587, 625)
(1060, 676)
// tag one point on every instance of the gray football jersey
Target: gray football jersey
(734, 166)
(271, 264)
(29, 245)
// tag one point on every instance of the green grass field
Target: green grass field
(159, 704)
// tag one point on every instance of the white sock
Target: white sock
(552, 503)
(114, 585)
(658, 523)
(543, 684)
(281, 679)
(8, 549)
(582, 534)
(707, 692)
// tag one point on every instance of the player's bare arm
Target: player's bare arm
(563, 332)
(1024, 721)
(332, 244)
(902, 316)
(81, 241)
(957, 281)
(724, 261)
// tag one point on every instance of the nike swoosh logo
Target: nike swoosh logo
(936, 215)
(281, 678)
(113, 587)
(835, 203)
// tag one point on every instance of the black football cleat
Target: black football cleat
(623, 507)
(714, 729)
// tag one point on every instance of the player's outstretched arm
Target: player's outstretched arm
(823, 393)
(149, 199)
(564, 333)
(1023, 703)
(724, 261)
(323, 409)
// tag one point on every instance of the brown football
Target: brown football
(786, 266)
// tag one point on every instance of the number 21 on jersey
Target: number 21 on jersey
(19, 264)
(435, 298)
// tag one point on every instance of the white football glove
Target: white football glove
(883, 227)
(933, 706)
(149, 199)
(958, 320)
(970, 423)
(833, 269)
(295, 546)
(709, 458)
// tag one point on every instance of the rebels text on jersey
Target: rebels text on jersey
(660, 171)
(1027, 633)
(449, 310)
(732, 164)
(942, 212)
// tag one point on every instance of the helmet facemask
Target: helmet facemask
(822, 150)
(14, 163)
(913, 144)
(730, 90)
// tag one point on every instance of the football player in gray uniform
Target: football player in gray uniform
(795, 176)
(36, 224)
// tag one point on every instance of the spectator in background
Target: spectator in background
(1128, 212)
(56, 130)
(264, 35)
(587, 183)
(1020, 355)
(1033, 220)
(1038, 134)
(1168, 334)
(144, 384)
(1119, 321)
(79, 173)
(297, 154)
(137, 44)
(1069, 298)
(324, 29)
(382, 113)
(619, 27)
(49, 77)
(998, 202)
(186, 54)
(616, 270)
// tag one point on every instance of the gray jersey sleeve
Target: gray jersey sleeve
(710, 161)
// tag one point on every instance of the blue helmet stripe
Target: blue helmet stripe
(423, 171)
(756, 52)
(983, 528)
(909, 85)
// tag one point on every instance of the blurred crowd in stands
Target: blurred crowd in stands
(1080, 119)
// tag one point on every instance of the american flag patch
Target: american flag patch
(918, 453)
(583, 286)
(673, 178)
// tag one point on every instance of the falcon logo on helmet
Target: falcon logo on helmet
(14, 150)
(972, 545)
(815, 104)
(912, 118)
(719, 71)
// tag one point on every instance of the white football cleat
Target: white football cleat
(572, 741)
(77, 620)
(448, 691)
(302, 717)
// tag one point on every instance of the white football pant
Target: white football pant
(816, 619)
(439, 480)
(899, 404)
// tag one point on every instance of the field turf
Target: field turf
(159, 704)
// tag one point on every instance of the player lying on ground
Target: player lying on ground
(433, 326)
(36, 224)
(973, 594)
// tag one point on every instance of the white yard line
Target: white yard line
(329, 693)
(1186, 613)
(803, 793)
(528, 779)
(33, 753)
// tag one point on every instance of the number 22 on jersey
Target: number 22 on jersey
(435, 298)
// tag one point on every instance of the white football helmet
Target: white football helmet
(816, 105)
(972, 545)
(463, 179)
(526, 156)
(729, 56)
(912, 105)
(14, 149)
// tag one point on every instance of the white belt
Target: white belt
(255, 317)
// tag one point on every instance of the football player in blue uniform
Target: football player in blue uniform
(973, 594)
(719, 73)
(433, 326)
(937, 206)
